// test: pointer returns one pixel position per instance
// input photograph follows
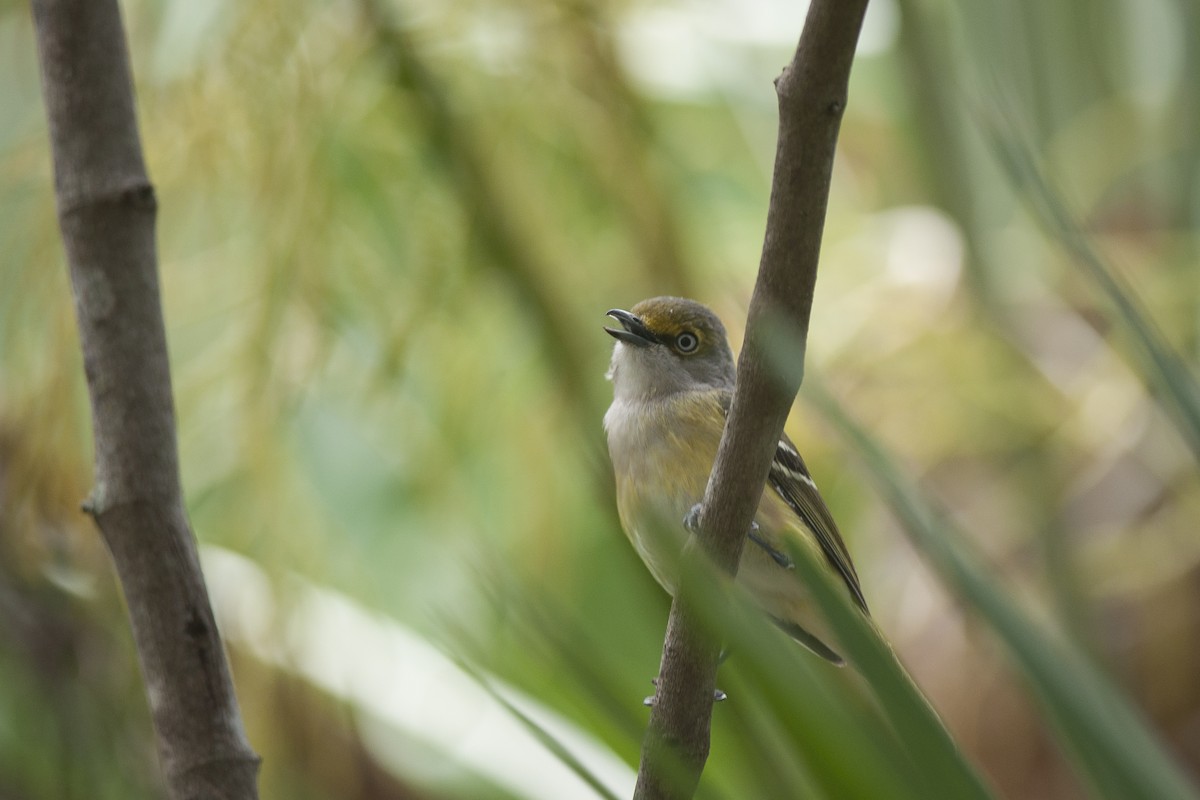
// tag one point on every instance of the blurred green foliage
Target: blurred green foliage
(388, 234)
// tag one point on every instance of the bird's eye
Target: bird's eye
(686, 342)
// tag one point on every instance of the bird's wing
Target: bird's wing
(790, 479)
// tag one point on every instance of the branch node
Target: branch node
(136, 193)
(196, 628)
(140, 197)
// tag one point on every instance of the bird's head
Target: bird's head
(667, 345)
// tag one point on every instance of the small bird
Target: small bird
(673, 375)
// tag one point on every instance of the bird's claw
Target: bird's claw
(718, 695)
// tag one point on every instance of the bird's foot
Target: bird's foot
(777, 556)
(691, 521)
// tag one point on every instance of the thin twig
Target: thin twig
(812, 95)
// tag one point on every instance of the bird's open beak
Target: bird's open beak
(634, 330)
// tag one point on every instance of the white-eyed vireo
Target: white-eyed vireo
(672, 374)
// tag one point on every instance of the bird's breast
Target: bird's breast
(662, 453)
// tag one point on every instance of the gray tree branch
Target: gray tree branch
(106, 210)
(812, 96)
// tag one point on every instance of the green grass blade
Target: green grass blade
(548, 740)
(939, 762)
(1113, 748)
(848, 749)
(1165, 373)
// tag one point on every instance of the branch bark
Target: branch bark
(812, 93)
(106, 210)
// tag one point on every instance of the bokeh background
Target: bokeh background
(388, 235)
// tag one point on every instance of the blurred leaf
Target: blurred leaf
(1115, 751)
(942, 769)
(1166, 374)
(553, 743)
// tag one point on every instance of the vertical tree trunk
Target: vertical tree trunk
(106, 210)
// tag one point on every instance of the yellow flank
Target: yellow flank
(655, 493)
